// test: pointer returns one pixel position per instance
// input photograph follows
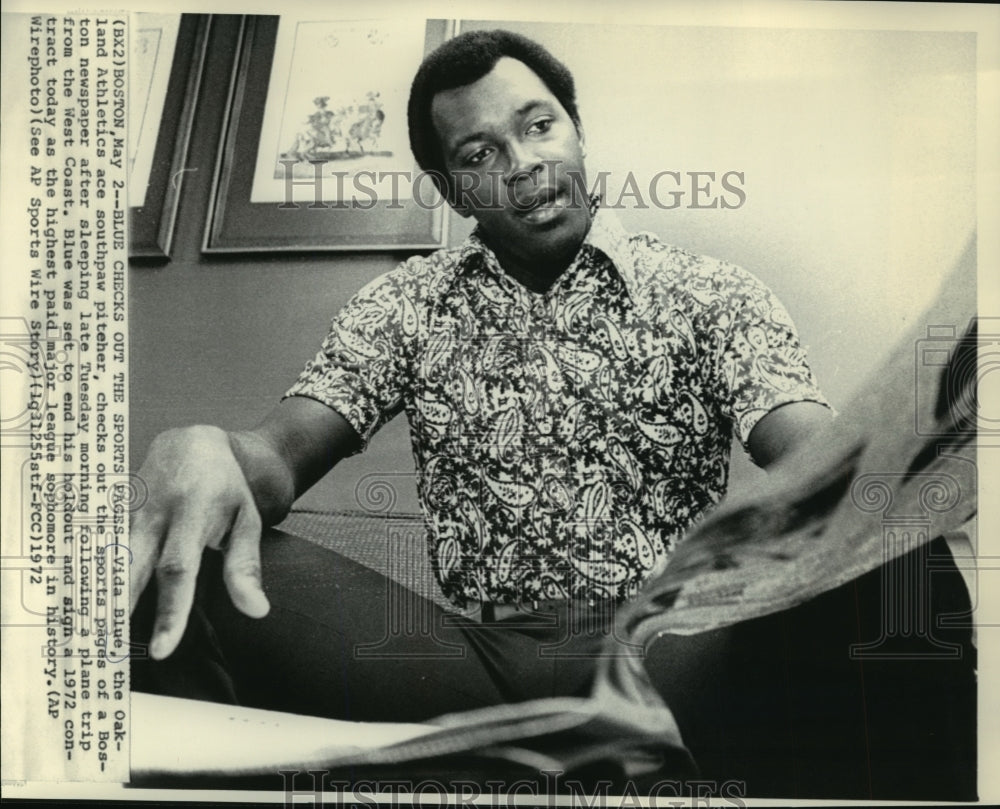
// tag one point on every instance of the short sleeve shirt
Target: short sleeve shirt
(564, 441)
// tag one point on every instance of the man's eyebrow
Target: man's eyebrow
(530, 107)
(467, 139)
(521, 111)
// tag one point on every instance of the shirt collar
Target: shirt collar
(606, 236)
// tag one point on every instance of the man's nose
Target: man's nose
(522, 162)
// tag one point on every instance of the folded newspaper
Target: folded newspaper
(905, 446)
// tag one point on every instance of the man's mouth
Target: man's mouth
(541, 207)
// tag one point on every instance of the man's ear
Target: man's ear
(583, 138)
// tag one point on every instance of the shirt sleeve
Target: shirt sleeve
(358, 370)
(759, 362)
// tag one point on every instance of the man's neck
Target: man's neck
(538, 275)
(538, 272)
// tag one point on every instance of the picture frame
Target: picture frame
(160, 161)
(313, 219)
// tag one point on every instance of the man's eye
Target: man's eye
(477, 157)
(540, 127)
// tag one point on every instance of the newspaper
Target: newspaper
(67, 489)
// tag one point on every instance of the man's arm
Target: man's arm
(784, 429)
(209, 488)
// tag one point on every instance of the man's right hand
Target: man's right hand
(212, 489)
(198, 498)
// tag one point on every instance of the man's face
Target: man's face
(515, 160)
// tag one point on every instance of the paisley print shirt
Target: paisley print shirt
(564, 441)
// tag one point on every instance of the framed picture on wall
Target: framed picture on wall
(168, 52)
(315, 154)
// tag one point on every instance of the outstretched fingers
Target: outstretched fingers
(241, 568)
(177, 575)
(144, 545)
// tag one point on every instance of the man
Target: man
(571, 391)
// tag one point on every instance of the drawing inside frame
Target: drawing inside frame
(315, 154)
(338, 94)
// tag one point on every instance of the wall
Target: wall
(857, 150)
